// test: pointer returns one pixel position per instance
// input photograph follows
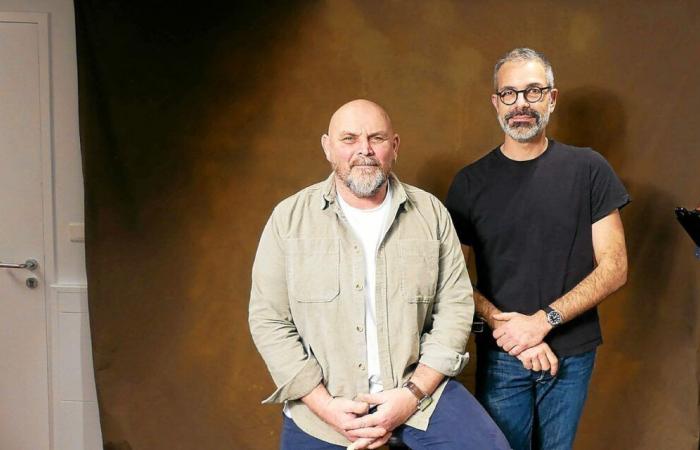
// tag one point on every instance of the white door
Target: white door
(24, 392)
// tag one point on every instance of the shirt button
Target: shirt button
(361, 366)
(360, 329)
(358, 286)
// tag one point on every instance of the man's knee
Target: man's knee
(462, 416)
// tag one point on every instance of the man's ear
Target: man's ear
(494, 101)
(325, 146)
(553, 96)
(396, 142)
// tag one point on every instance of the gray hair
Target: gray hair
(524, 54)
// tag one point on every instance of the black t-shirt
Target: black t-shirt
(529, 224)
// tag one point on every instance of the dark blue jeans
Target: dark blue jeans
(533, 409)
(458, 423)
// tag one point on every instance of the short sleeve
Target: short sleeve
(458, 205)
(607, 191)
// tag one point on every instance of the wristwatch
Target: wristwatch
(424, 400)
(554, 317)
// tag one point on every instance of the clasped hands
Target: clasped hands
(521, 336)
(352, 419)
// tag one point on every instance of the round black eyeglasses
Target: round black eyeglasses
(532, 94)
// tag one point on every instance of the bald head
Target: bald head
(354, 110)
(361, 146)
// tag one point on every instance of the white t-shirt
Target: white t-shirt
(368, 225)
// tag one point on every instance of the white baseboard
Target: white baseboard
(75, 414)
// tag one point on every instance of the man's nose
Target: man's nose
(366, 146)
(520, 100)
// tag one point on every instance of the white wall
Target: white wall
(75, 424)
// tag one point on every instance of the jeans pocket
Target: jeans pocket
(313, 269)
(419, 260)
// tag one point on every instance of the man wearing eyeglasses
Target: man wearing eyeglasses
(542, 219)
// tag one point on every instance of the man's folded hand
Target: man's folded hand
(520, 331)
(341, 414)
(540, 357)
(394, 407)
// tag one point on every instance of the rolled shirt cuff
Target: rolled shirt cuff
(443, 359)
(300, 384)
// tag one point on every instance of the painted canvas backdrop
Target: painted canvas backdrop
(197, 119)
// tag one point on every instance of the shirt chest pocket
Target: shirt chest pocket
(419, 269)
(313, 269)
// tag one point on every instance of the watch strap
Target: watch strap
(424, 400)
(415, 390)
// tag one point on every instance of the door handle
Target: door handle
(30, 264)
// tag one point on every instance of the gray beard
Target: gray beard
(525, 133)
(365, 185)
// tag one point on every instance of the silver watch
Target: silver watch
(554, 317)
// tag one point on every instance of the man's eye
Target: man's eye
(507, 93)
(378, 139)
(348, 139)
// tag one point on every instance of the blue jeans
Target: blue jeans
(458, 423)
(533, 409)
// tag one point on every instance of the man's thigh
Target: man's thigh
(294, 438)
(560, 402)
(507, 390)
(458, 423)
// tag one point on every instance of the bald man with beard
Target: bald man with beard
(361, 304)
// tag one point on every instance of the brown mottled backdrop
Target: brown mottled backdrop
(196, 120)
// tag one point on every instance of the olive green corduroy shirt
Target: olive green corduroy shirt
(307, 305)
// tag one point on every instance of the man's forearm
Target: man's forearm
(485, 309)
(599, 284)
(607, 277)
(426, 378)
(317, 400)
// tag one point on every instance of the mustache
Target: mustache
(364, 161)
(522, 112)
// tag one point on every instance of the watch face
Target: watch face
(554, 318)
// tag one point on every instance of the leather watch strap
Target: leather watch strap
(415, 390)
